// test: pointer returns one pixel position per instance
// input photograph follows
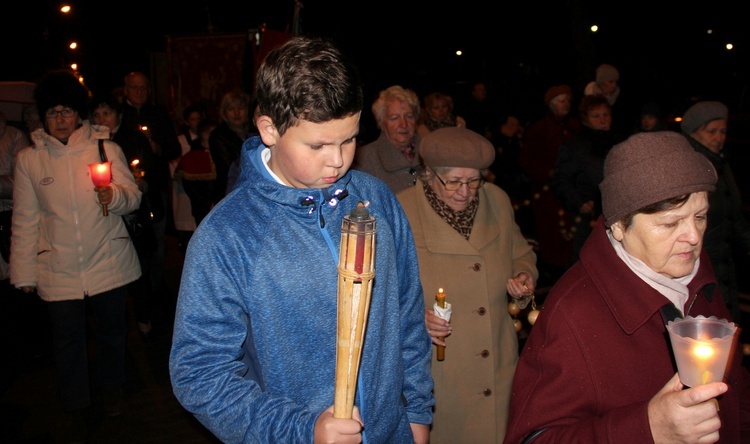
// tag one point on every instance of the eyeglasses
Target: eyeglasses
(65, 112)
(455, 185)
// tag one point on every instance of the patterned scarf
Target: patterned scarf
(461, 221)
(409, 151)
(433, 124)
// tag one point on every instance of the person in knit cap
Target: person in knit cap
(469, 245)
(606, 83)
(598, 362)
(538, 158)
(728, 234)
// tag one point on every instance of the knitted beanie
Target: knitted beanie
(702, 112)
(456, 147)
(648, 168)
(606, 72)
(555, 91)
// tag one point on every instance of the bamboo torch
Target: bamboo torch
(356, 272)
(440, 300)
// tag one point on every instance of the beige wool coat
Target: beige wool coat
(473, 383)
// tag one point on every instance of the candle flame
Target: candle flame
(703, 351)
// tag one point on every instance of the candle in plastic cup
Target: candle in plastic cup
(101, 173)
(702, 347)
(101, 176)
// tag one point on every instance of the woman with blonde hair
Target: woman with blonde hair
(437, 113)
(227, 139)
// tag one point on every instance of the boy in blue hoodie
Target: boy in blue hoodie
(254, 347)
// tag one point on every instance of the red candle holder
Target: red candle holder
(101, 176)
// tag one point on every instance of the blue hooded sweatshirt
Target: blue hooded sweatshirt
(254, 348)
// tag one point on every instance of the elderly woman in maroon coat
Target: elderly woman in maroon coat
(597, 366)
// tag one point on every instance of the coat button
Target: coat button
(485, 353)
(487, 392)
(482, 311)
(477, 267)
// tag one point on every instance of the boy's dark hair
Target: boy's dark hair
(307, 78)
(61, 87)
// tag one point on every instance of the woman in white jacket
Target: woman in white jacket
(63, 247)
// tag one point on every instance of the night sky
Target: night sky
(661, 51)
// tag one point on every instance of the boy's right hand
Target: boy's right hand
(691, 415)
(336, 430)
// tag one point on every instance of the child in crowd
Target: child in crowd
(254, 347)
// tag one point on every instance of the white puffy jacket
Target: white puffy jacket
(61, 243)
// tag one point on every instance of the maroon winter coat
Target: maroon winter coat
(600, 351)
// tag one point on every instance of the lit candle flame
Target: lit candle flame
(101, 176)
(703, 351)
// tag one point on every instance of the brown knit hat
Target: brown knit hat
(555, 91)
(456, 147)
(648, 168)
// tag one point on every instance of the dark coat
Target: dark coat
(578, 172)
(728, 230)
(163, 135)
(599, 351)
(537, 160)
(225, 146)
(541, 141)
(157, 119)
(136, 146)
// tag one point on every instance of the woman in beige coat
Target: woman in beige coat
(469, 245)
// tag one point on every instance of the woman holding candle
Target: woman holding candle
(598, 365)
(64, 246)
(105, 110)
(470, 246)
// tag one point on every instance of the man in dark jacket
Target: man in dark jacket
(140, 113)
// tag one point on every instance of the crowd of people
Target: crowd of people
(470, 201)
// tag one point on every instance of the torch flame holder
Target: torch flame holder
(356, 273)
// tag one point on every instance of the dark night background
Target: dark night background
(661, 48)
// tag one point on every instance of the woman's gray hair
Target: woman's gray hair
(394, 92)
